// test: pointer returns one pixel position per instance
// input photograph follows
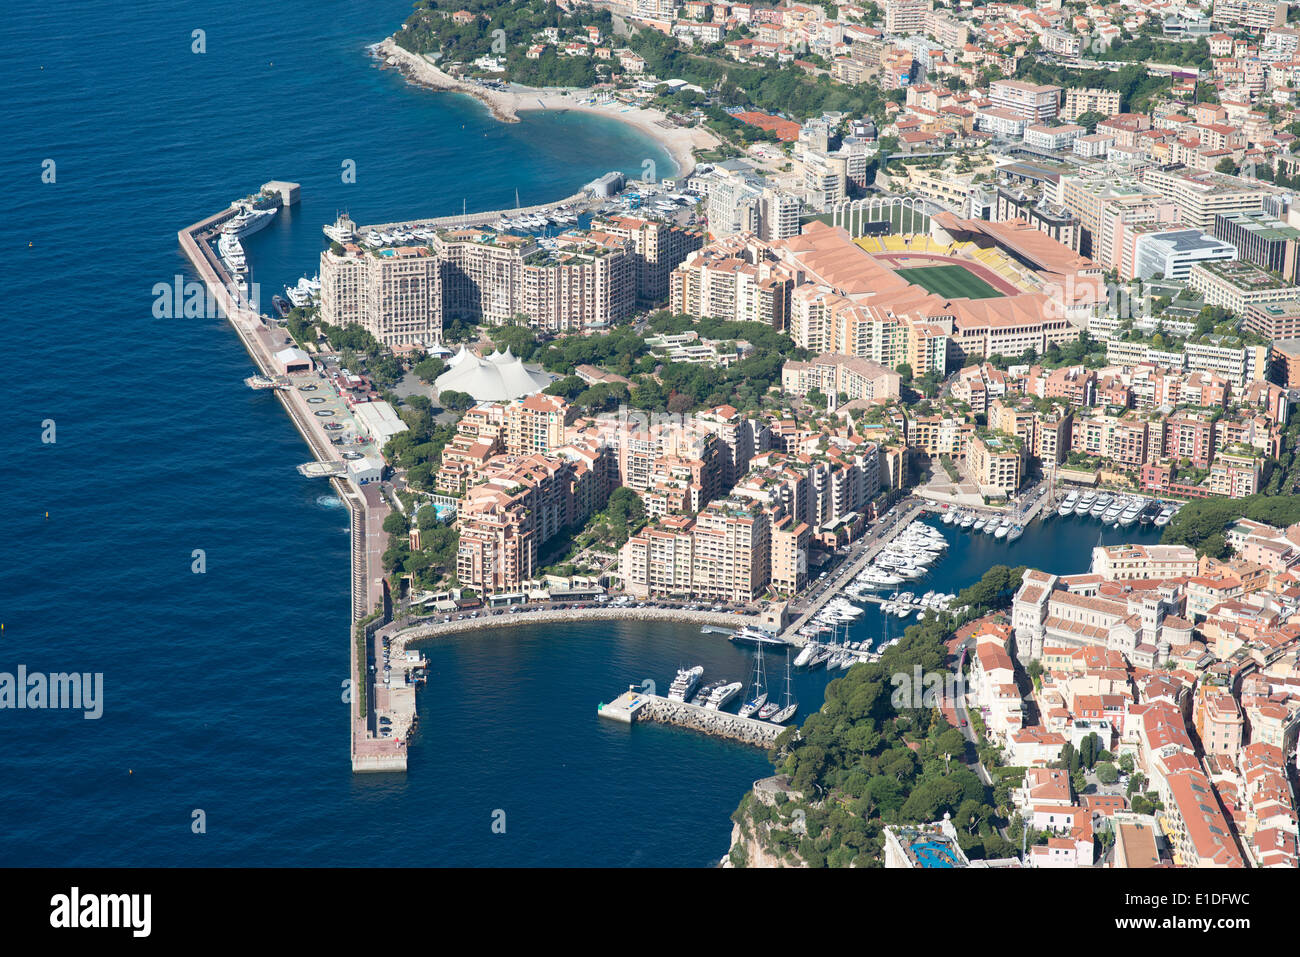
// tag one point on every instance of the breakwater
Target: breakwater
(366, 507)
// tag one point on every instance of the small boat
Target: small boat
(948, 517)
(702, 697)
(1004, 526)
(980, 523)
(280, 305)
(1016, 532)
(1165, 515)
(968, 520)
(1149, 513)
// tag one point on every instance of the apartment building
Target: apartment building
(1036, 103)
(1200, 195)
(396, 294)
(1080, 100)
(1138, 562)
(656, 249)
(996, 461)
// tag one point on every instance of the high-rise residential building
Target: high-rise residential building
(584, 283)
(482, 278)
(656, 248)
(396, 294)
(906, 16)
(1036, 103)
(1080, 100)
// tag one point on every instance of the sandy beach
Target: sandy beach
(506, 105)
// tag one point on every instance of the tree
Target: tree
(1089, 120)
(1107, 773)
(455, 401)
(904, 370)
(1226, 165)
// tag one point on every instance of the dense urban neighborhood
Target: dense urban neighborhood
(955, 266)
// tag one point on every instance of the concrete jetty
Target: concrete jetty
(262, 339)
(634, 705)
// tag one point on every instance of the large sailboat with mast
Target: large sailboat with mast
(783, 712)
(758, 695)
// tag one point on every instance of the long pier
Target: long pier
(478, 219)
(845, 573)
(633, 705)
(262, 340)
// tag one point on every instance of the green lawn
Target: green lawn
(949, 281)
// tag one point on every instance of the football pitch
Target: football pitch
(949, 281)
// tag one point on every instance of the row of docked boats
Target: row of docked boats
(1114, 509)
(909, 556)
(835, 652)
(905, 604)
(716, 695)
(999, 526)
(561, 216)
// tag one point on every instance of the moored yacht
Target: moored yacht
(721, 695)
(684, 683)
(1103, 502)
(343, 230)
(1067, 506)
(1131, 512)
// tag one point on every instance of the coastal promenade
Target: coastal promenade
(434, 627)
(262, 340)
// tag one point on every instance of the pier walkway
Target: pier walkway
(479, 219)
(634, 705)
(831, 586)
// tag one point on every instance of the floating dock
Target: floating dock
(634, 705)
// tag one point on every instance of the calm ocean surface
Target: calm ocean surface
(222, 690)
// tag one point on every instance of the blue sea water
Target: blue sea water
(223, 689)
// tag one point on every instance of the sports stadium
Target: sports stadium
(953, 270)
